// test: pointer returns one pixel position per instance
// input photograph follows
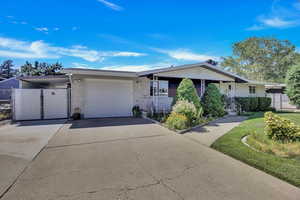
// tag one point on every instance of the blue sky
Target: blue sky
(138, 34)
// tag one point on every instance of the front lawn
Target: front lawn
(284, 168)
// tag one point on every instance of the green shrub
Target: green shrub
(187, 109)
(252, 104)
(177, 121)
(264, 103)
(187, 91)
(212, 102)
(281, 129)
(293, 84)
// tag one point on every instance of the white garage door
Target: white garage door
(108, 98)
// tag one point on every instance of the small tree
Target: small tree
(293, 84)
(6, 69)
(186, 91)
(212, 103)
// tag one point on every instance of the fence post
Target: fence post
(42, 103)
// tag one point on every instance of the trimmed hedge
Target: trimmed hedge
(254, 104)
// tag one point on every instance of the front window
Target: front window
(252, 90)
(159, 88)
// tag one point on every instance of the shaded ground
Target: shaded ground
(206, 135)
(139, 160)
(19, 144)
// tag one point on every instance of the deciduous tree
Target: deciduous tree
(261, 58)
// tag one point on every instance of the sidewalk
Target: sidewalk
(207, 134)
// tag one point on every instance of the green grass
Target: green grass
(287, 169)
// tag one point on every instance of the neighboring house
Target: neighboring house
(104, 93)
(280, 100)
(5, 88)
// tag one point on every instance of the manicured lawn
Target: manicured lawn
(287, 169)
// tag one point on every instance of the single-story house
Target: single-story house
(105, 93)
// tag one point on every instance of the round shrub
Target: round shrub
(187, 91)
(279, 128)
(213, 104)
(187, 109)
(177, 121)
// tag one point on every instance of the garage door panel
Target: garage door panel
(108, 98)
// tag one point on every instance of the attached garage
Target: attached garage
(107, 98)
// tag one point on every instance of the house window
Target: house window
(159, 88)
(229, 87)
(252, 90)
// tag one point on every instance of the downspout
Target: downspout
(70, 97)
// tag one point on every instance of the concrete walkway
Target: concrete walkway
(118, 159)
(19, 144)
(207, 134)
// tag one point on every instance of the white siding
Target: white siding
(242, 90)
(145, 101)
(76, 94)
(196, 73)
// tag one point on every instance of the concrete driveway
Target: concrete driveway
(19, 144)
(130, 158)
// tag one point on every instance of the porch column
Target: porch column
(202, 87)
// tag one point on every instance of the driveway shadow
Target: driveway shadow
(105, 122)
(39, 122)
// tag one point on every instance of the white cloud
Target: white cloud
(81, 65)
(13, 48)
(185, 54)
(279, 17)
(111, 5)
(42, 29)
(125, 54)
(277, 22)
(56, 29)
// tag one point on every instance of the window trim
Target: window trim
(252, 89)
(157, 89)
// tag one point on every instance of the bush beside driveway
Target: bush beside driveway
(230, 144)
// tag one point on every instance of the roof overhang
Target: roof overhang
(205, 65)
(99, 72)
(45, 79)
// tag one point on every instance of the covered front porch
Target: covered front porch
(162, 86)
